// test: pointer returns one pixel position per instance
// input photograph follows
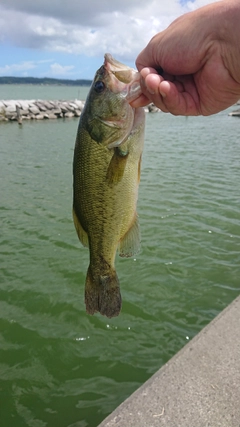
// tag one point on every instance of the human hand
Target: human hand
(200, 56)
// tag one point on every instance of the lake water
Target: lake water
(60, 367)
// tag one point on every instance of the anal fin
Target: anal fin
(130, 243)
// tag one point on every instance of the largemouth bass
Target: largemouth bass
(106, 174)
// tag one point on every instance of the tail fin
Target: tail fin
(102, 293)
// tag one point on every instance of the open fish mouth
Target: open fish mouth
(124, 74)
(125, 81)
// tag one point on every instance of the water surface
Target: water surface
(60, 367)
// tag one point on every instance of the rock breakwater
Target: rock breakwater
(11, 110)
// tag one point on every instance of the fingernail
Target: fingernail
(162, 94)
(151, 91)
(144, 86)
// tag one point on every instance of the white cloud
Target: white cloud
(121, 27)
(20, 67)
(61, 70)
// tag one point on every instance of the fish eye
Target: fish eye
(99, 86)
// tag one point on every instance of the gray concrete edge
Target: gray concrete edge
(198, 387)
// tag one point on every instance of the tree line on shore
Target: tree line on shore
(43, 81)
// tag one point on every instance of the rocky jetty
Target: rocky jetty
(235, 113)
(11, 110)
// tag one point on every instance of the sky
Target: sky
(68, 38)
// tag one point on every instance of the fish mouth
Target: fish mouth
(122, 72)
(125, 81)
(126, 75)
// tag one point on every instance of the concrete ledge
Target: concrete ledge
(198, 387)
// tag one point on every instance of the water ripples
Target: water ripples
(60, 367)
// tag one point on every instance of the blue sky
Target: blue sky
(68, 39)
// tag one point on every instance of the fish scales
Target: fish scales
(106, 174)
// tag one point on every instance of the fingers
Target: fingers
(150, 81)
(141, 101)
(174, 100)
(178, 96)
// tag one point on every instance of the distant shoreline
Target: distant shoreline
(45, 81)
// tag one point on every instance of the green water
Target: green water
(60, 367)
(42, 92)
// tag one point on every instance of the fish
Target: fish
(106, 175)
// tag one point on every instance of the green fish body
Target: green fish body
(106, 175)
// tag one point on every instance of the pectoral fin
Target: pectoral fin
(82, 235)
(117, 166)
(130, 243)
